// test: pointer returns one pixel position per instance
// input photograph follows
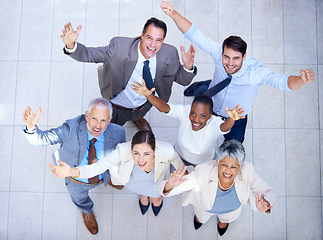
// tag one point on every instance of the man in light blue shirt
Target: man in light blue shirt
(74, 137)
(247, 73)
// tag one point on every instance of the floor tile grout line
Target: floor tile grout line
(14, 120)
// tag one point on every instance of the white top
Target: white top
(196, 146)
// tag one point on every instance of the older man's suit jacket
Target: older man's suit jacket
(120, 162)
(120, 58)
(72, 136)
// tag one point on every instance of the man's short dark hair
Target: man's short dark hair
(236, 43)
(157, 23)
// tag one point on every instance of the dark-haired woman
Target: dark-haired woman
(139, 165)
(199, 132)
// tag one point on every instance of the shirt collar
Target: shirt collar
(99, 139)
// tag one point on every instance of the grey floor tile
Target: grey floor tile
(10, 30)
(297, 216)
(319, 79)
(60, 217)
(301, 105)
(268, 107)
(271, 226)
(128, 222)
(25, 222)
(6, 138)
(103, 211)
(269, 157)
(65, 90)
(32, 74)
(4, 198)
(267, 31)
(168, 223)
(293, 37)
(28, 165)
(319, 11)
(302, 163)
(8, 71)
(30, 46)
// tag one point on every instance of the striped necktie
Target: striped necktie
(218, 87)
(93, 159)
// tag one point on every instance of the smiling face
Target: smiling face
(97, 120)
(228, 169)
(232, 60)
(151, 41)
(144, 156)
(199, 115)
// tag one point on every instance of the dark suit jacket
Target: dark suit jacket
(72, 136)
(120, 58)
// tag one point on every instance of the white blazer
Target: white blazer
(120, 163)
(202, 184)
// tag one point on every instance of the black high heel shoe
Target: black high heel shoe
(143, 208)
(197, 224)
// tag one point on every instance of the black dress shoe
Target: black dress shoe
(197, 224)
(156, 209)
(222, 231)
(143, 208)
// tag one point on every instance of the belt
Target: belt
(128, 109)
(215, 114)
(76, 181)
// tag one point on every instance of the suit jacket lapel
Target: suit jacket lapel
(82, 136)
(213, 184)
(108, 141)
(130, 63)
(161, 67)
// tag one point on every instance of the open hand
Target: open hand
(142, 88)
(235, 113)
(61, 171)
(69, 35)
(262, 204)
(188, 58)
(167, 7)
(30, 118)
(176, 177)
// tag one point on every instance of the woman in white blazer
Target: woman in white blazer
(220, 187)
(139, 165)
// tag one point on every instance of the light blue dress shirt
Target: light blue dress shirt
(99, 147)
(225, 201)
(245, 83)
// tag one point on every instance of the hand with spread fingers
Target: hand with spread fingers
(262, 204)
(188, 57)
(175, 178)
(142, 88)
(30, 118)
(235, 113)
(61, 171)
(70, 36)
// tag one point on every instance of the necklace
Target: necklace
(223, 188)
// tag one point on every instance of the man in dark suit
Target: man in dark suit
(75, 137)
(124, 62)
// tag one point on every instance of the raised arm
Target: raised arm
(64, 170)
(70, 36)
(159, 103)
(181, 22)
(175, 179)
(306, 76)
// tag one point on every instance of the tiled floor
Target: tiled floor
(283, 140)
